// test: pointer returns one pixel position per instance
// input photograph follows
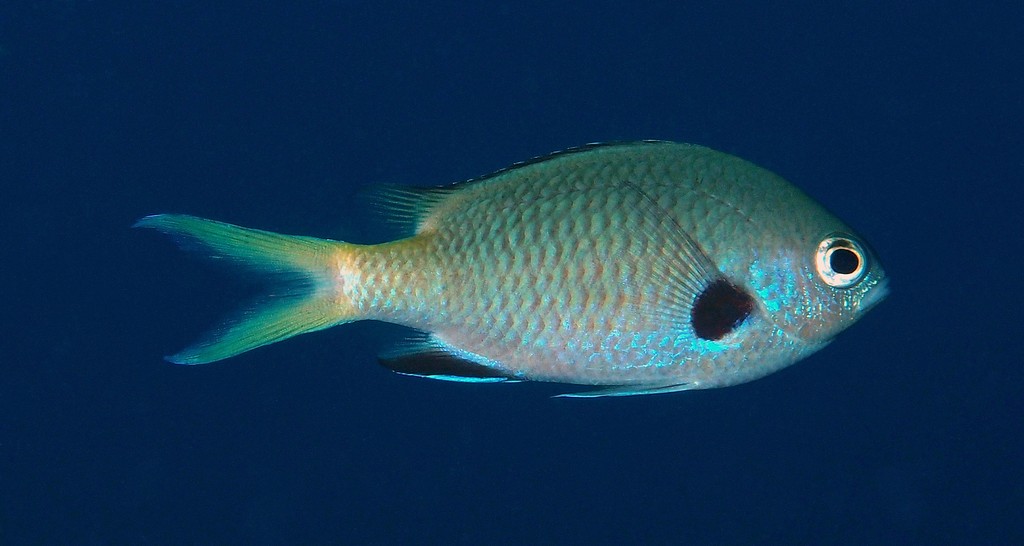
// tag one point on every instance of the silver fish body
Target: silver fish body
(642, 267)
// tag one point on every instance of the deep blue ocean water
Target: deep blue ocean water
(905, 120)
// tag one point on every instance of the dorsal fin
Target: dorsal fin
(406, 206)
(561, 153)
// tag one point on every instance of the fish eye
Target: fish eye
(840, 261)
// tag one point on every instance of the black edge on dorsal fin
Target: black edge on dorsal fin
(560, 153)
(428, 359)
(405, 207)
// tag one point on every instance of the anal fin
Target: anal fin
(629, 390)
(425, 358)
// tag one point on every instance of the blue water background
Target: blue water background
(903, 118)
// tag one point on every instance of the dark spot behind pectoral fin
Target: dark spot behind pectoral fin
(428, 360)
(720, 309)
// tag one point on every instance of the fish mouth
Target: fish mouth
(873, 296)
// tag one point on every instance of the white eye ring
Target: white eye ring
(841, 261)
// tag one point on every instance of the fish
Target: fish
(628, 268)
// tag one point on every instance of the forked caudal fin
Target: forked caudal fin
(305, 296)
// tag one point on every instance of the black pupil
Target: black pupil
(843, 261)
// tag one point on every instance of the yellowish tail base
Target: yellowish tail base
(304, 296)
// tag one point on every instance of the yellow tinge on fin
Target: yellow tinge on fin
(304, 299)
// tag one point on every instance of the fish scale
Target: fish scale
(641, 267)
(539, 348)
